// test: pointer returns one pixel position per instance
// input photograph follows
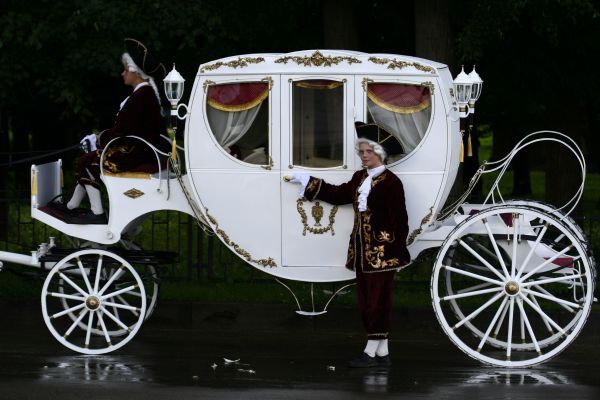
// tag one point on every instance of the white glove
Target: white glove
(302, 179)
(91, 139)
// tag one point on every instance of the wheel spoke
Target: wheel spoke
(120, 291)
(111, 316)
(477, 311)
(565, 303)
(124, 301)
(112, 279)
(104, 330)
(513, 261)
(481, 259)
(472, 275)
(72, 284)
(475, 287)
(529, 329)
(88, 332)
(66, 296)
(473, 293)
(98, 269)
(501, 321)
(76, 322)
(532, 250)
(534, 300)
(68, 310)
(123, 306)
(543, 314)
(495, 245)
(492, 323)
(550, 280)
(84, 275)
(511, 308)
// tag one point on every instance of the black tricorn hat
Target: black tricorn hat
(377, 134)
(145, 60)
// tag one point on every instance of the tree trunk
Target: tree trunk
(339, 24)
(433, 33)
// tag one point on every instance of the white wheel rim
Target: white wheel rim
(476, 296)
(91, 296)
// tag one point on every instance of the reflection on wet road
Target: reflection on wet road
(266, 351)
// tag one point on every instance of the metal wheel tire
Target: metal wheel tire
(151, 284)
(89, 298)
(512, 286)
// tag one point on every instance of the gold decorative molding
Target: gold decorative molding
(134, 193)
(268, 80)
(393, 64)
(416, 232)
(239, 63)
(430, 86)
(317, 213)
(206, 84)
(365, 83)
(317, 59)
(265, 262)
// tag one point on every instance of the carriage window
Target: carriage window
(402, 109)
(318, 123)
(238, 115)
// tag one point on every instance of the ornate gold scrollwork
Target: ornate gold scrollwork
(416, 232)
(239, 63)
(268, 80)
(393, 64)
(317, 59)
(317, 213)
(265, 262)
(365, 83)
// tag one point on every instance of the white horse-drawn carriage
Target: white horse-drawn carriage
(513, 281)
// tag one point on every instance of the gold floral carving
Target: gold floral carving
(133, 193)
(239, 63)
(265, 262)
(206, 84)
(429, 85)
(317, 59)
(317, 213)
(416, 232)
(397, 64)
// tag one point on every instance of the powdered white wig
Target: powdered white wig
(132, 66)
(377, 148)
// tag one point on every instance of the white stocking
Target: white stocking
(95, 199)
(382, 349)
(371, 347)
(78, 195)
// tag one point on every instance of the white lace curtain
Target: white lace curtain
(232, 109)
(403, 110)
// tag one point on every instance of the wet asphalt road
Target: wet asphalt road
(292, 357)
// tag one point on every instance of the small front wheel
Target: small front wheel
(93, 301)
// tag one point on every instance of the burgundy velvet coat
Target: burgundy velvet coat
(378, 239)
(140, 116)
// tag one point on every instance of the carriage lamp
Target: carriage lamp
(463, 87)
(174, 84)
(477, 83)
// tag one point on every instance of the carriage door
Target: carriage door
(317, 138)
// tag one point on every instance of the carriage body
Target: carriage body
(305, 105)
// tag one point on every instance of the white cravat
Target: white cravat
(139, 85)
(365, 188)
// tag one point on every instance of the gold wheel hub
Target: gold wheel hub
(92, 303)
(511, 288)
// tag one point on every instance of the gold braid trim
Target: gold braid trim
(399, 110)
(239, 107)
(416, 232)
(265, 262)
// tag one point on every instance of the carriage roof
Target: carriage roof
(322, 61)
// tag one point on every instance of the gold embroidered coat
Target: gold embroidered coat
(378, 238)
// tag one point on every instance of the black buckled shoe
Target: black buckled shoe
(363, 361)
(57, 204)
(383, 361)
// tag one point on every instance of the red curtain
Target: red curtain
(237, 96)
(399, 98)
